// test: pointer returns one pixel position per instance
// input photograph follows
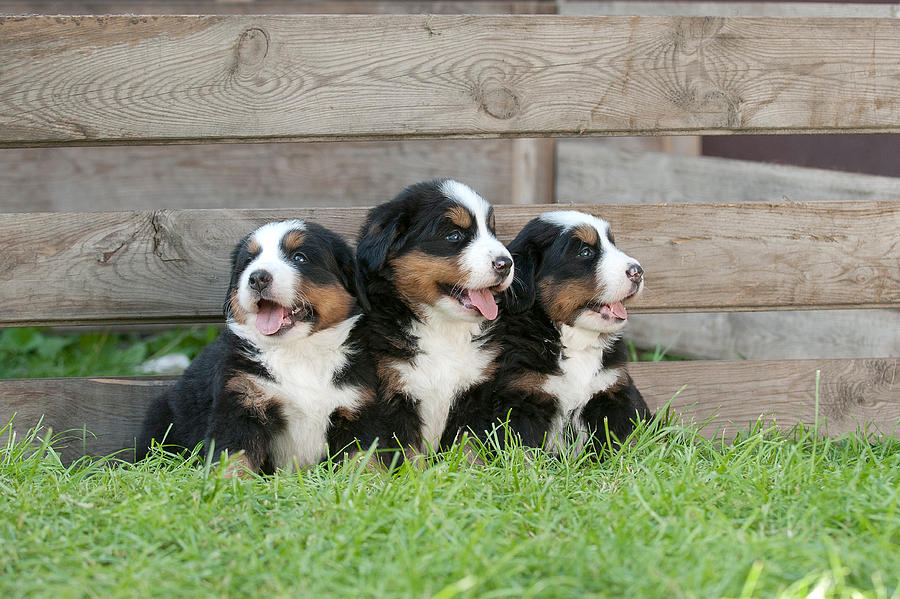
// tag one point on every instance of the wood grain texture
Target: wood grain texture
(853, 394)
(729, 9)
(169, 79)
(273, 7)
(248, 175)
(533, 171)
(633, 176)
(504, 171)
(770, 335)
(172, 265)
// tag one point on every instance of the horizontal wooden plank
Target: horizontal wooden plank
(172, 265)
(587, 167)
(852, 394)
(678, 8)
(103, 416)
(770, 335)
(170, 79)
(631, 175)
(506, 171)
(274, 7)
(250, 175)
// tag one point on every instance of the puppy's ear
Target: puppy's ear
(527, 251)
(382, 228)
(239, 257)
(345, 264)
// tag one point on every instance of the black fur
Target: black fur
(532, 349)
(414, 220)
(200, 408)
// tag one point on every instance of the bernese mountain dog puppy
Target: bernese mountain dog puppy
(277, 384)
(428, 266)
(561, 379)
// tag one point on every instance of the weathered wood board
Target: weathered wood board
(592, 171)
(588, 171)
(274, 7)
(171, 266)
(853, 394)
(770, 335)
(257, 175)
(168, 79)
(678, 8)
(505, 171)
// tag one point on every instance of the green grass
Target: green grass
(670, 515)
(34, 352)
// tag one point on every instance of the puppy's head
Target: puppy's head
(567, 263)
(434, 246)
(290, 278)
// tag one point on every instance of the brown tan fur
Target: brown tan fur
(237, 311)
(332, 304)
(389, 378)
(294, 240)
(417, 276)
(460, 217)
(251, 394)
(346, 414)
(253, 246)
(564, 299)
(529, 382)
(587, 234)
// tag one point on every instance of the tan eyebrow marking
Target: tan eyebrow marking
(460, 217)
(587, 234)
(293, 240)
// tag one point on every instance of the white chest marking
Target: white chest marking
(304, 370)
(583, 375)
(448, 362)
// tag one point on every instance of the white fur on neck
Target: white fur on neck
(449, 360)
(304, 368)
(583, 376)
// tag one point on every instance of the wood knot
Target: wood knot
(252, 48)
(501, 103)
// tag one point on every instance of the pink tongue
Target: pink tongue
(484, 301)
(618, 310)
(269, 317)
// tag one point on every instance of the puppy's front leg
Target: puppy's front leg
(243, 422)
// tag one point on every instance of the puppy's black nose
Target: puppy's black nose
(260, 279)
(502, 265)
(635, 273)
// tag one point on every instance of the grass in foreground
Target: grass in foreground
(671, 515)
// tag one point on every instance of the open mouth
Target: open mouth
(272, 318)
(615, 311)
(480, 300)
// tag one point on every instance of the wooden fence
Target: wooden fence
(160, 80)
(519, 170)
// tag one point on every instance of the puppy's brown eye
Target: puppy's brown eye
(455, 237)
(299, 258)
(587, 252)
